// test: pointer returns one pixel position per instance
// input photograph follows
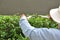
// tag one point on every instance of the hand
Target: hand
(23, 15)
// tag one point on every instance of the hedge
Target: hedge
(10, 29)
(40, 22)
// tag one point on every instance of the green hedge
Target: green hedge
(40, 22)
(10, 30)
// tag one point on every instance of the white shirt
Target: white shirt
(38, 33)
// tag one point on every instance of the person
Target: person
(41, 33)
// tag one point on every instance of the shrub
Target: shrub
(10, 30)
(40, 22)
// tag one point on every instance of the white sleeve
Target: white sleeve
(25, 26)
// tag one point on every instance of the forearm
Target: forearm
(25, 26)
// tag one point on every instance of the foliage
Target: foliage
(40, 22)
(10, 30)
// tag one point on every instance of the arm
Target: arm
(45, 34)
(25, 26)
(37, 33)
(46, 16)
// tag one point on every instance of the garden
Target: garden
(10, 29)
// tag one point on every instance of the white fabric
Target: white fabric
(55, 14)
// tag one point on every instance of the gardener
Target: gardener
(41, 33)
